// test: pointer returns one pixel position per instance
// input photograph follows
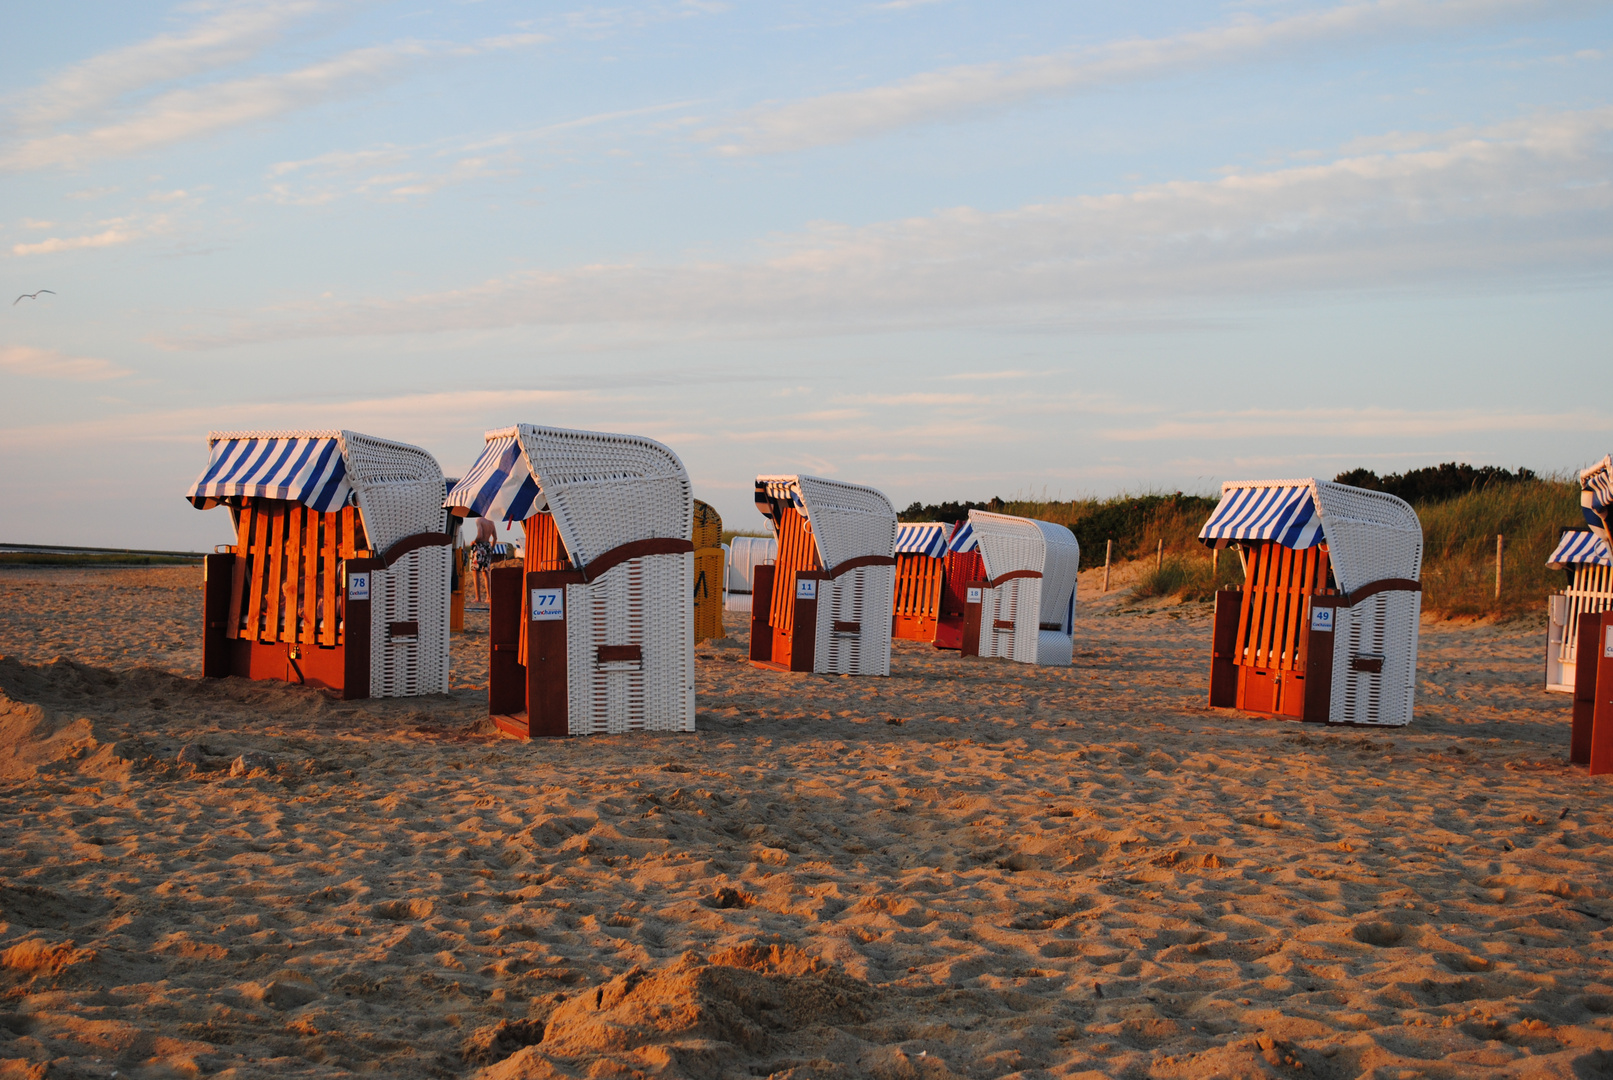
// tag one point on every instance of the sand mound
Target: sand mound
(750, 1010)
(35, 739)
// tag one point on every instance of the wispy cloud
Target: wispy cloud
(232, 36)
(50, 364)
(1527, 197)
(179, 115)
(117, 232)
(968, 90)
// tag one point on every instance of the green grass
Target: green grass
(1193, 576)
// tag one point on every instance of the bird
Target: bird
(31, 296)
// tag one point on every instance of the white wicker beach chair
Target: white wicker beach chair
(825, 605)
(341, 573)
(1585, 555)
(745, 554)
(1027, 600)
(596, 634)
(1325, 626)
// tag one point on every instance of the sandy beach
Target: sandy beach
(970, 869)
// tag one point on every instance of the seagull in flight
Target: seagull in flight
(31, 296)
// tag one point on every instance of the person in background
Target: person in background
(481, 558)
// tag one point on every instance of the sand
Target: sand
(970, 869)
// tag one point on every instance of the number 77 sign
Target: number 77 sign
(548, 605)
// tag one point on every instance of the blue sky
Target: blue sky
(947, 248)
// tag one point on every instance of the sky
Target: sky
(946, 248)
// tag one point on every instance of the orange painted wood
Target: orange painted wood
(254, 614)
(796, 553)
(274, 578)
(243, 544)
(330, 529)
(310, 579)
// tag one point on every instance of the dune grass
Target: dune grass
(46, 558)
(1458, 544)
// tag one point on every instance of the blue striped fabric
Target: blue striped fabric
(1284, 514)
(1596, 495)
(772, 493)
(928, 538)
(963, 537)
(1580, 548)
(310, 471)
(500, 485)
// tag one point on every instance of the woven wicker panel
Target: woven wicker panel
(398, 487)
(862, 596)
(849, 521)
(1370, 535)
(413, 589)
(608, 490)
(645, 602)
(1383, 625)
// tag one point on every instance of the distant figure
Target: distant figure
(481, 558)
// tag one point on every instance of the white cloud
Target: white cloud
(118, 233)
(1525, 198)
(955, 92)
(191, 113)
(235, 35)
(50, 364)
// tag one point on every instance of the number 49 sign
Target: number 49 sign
(548, 605)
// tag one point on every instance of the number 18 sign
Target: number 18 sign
(548, 605)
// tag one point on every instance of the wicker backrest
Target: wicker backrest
(1371, 535)
(606, 490)
(1009, 543)
(848, 521)
(399, 488)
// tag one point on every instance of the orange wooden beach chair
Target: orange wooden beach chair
(1324, 628)
(1591, 741)
(340, 573)
(825, 604)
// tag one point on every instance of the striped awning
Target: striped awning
(1283, 512)
(1596, 496)
(963, 537)
(500, 485)
(1580, 548)
(775, 492)
(925, 538)
(309, 470)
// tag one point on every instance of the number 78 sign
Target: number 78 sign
(548, 605)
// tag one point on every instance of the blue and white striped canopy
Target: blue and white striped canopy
(1580, 548)
(926, 538)
(1596, 495)
(309, 470)
(1285, 513)
(963, 537)
(772, 494)
(500, 485)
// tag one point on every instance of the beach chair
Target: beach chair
(710, 569)
(745, 554)
(340, 574)
(1022, 607)
(921, 563)
(593, 631)
(1590, 592)
(1324, 628)
(1591, 741)
(824, 605)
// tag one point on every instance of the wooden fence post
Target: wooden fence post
(1159, 556)
(1108, 550)
(1500, 547)
(1215, 565)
